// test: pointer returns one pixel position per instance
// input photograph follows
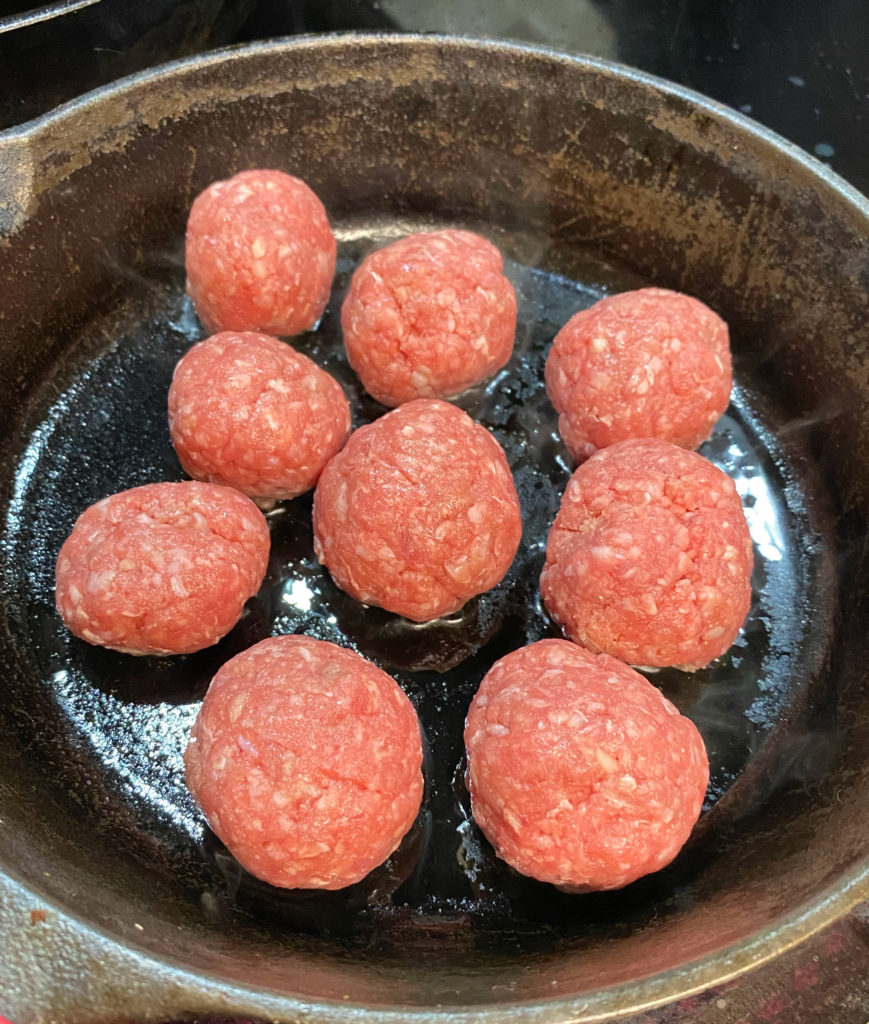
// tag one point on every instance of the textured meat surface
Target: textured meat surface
(260, 254)
(580, 772)
(428, 316)
(650, 557)
(161, 569)
(306, 760)
(248, 411)
(418, 512)
(646, 363)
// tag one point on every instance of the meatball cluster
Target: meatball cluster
(305, 758)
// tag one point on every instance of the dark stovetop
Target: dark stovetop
(800, 67)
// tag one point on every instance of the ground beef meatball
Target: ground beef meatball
(260, 254)
(305, 759)
(650, 557)
(647, 363)
(248, 411)
(428, 316)
(419, 511)
(580, 772)
(162, 569)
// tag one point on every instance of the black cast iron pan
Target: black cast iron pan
(115, 902)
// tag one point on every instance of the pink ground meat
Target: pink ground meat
(419, 511)
(580, 772)
(161, 569)
(650, 557)
(305, 759)
(646, 363)
(428, 316)
(248, 411)
(260, 254)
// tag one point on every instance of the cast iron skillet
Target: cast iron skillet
(115, 900)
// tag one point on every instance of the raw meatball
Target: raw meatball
(419, 511)
(650, 558)
(580, 772)
(260, 254)
(306, 760)
(162, 569)
(248, 411)
(647, 363)
(428, 316)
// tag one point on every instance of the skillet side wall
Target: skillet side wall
(569, 157)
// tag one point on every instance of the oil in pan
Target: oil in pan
(118, 725)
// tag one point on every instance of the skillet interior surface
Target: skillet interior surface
(92, 778)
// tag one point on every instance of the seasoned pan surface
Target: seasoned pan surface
(103, 734)
(128, 718)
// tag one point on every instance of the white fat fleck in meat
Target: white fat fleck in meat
(608, 763)
(237, 706)
(477, 513)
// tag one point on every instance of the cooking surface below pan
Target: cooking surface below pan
(114, 727)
